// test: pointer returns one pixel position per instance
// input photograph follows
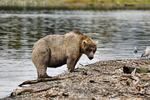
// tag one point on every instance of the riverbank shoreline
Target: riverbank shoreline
(101, 80)
(100, 8)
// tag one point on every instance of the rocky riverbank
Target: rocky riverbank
(99, 81)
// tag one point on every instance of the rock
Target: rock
(129, 70)
(66, 94)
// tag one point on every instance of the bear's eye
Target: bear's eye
(90, 50)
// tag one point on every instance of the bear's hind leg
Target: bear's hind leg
(41, 58)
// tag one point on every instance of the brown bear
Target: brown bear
(56, 50)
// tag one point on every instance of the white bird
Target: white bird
(146, 53)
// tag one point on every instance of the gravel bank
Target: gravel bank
(99, 81)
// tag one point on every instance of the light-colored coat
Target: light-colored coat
(56, 50)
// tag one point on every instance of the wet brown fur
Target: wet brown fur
(56, 50)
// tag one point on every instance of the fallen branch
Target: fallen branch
(41, 80)
(20, 91)
(23, 90)
(30, 90)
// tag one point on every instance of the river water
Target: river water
(115, 32)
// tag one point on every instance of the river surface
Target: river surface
(115, 32)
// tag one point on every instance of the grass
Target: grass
(75, 4)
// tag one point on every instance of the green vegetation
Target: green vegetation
(75, 4)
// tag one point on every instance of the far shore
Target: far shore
(99, 8)
(74, 4)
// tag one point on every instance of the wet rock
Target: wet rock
(92, 81)
(66, 94)
(129, 70)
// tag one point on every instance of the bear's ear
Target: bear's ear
(84, 42)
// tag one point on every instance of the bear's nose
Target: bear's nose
(90, 58)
